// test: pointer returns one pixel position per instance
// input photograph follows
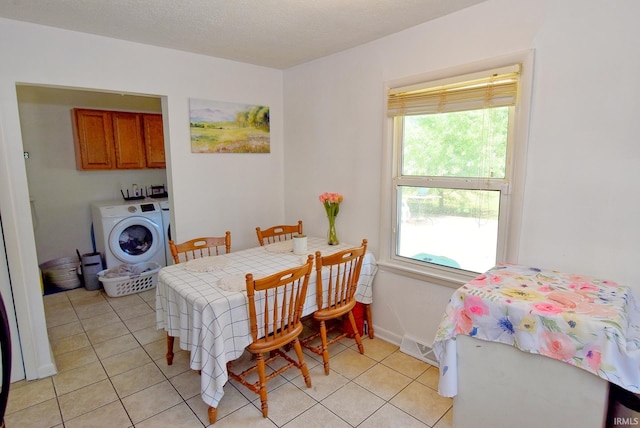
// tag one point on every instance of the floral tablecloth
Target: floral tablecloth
(589, 323)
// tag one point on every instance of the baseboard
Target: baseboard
(387, 336)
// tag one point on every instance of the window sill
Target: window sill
(444, 277)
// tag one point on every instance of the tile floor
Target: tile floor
(112, 373)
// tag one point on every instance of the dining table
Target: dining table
(203, 303)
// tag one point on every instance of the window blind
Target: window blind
(490, 88)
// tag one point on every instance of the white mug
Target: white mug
(299, 244)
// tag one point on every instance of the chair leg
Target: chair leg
(263, 385)
(325, 347)
(213, 414)
(356, 335)
(170, 340)
(303, 364)
(369, 321)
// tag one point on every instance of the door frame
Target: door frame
(19, 245)
(17, 365)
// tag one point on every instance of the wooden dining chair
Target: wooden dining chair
(336, 282)
(194, 249)
(275, 312)
(278, 233)
(200, 247)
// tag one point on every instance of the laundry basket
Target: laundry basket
(61, 273)
(124, 285)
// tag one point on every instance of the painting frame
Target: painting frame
(228, 127)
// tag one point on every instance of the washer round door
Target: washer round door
(135, 240)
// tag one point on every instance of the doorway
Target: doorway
(60, 195)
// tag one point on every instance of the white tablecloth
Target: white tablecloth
(213, 324)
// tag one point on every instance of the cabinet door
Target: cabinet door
(154, 140)
(129, 144)
(93, 139)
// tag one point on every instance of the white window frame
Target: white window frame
(512, 189)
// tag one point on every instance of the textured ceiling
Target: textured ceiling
(271, 33)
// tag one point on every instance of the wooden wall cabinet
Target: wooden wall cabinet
(93, 139)
(117, 140)
(154, 140)
(128, 140)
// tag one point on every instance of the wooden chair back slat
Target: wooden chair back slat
(276, 303)
(278, 233)
(342, 271)
(275, 311)
(336, 281)
(200, 247)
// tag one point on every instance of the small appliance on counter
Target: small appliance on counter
(157, 192)
(137, 193)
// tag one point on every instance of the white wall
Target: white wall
(210, 192)
(580, 209)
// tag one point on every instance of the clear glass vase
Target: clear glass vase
(332, 235)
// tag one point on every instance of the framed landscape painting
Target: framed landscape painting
(222, 127)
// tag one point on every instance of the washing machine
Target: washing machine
(166, 227)
(129, 232)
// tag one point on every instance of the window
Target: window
(452, 171)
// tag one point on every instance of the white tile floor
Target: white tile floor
(112, 373)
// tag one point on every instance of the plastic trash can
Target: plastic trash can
(91, 265)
